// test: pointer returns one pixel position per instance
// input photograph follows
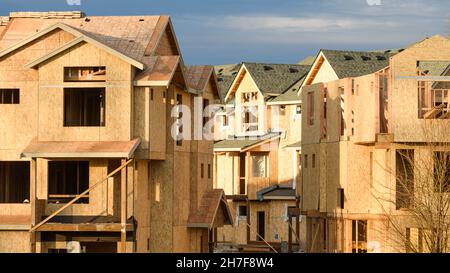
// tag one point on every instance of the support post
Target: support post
(123, 208)
(248, 220)
(211, 240)
(297, 221)
(290, 235)
(33, 204)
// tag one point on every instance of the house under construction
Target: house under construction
(87, 161)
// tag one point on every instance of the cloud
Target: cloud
(298, 24)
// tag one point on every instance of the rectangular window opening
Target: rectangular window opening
(85, 74)
(67, 180)
(14, 182)
(9, 96)
(84, 107)
(242, 211)
(404, 160)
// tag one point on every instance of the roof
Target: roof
(130, 35)
(275, 78)
(434, 68)
(356, 63)
(225, 77)
(241, 144)
(159, 70)
(213, 204)
(80, 37)
(290, 95)
(81, 149)
(277, 192)
(197, 77)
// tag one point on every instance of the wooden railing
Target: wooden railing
(95, 185)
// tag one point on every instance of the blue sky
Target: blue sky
(277, 31)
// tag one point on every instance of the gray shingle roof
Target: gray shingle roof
(357, 63)
(276, 191)
(290, 94)
(275, 78)
(240, 143)
(225, 77)
(434, 68)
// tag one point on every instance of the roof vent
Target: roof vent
(267, 68)
(381, 58)
(365, 58)
(293, 70)
(348, 58)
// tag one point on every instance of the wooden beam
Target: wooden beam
(97, 227)
(123, 208)
(82, 194)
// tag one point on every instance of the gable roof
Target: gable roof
(159, 71)
(80, 38)
(271, 79)
(275, 78)
(356, 63)
(213, 204)
(199, 76)
(132, 36)
(225, 77)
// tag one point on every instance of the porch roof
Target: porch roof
(81, 149)
(277, 192)
(241, 144)
(213, 211)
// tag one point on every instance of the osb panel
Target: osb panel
(118, 97)
(161, 221)
(181, 184)
(405, 123)
(14, 242)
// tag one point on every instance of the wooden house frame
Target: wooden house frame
(145, 192)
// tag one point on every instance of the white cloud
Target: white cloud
(299, 24)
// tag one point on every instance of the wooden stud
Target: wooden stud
(123, 208)
(33, 203)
